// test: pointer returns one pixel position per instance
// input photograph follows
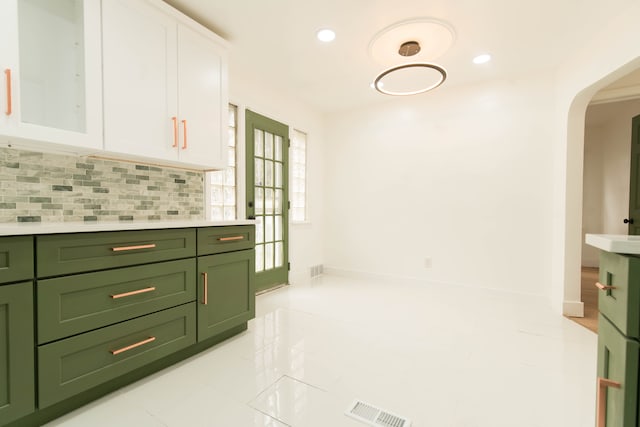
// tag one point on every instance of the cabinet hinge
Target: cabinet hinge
(289, 142)
(288, 266)
(289, 204)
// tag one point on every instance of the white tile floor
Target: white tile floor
(440, 356)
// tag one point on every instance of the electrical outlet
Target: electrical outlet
(427, 262)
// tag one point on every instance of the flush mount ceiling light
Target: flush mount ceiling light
(410, 79)
(326, 35)
(432, 36)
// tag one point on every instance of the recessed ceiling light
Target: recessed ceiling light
(482, 59)
(326, 35)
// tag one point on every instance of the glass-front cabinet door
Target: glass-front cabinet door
(51, 73)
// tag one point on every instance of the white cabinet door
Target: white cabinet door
(140, 82)
(203, 99)
(53, 98)
(165, 87)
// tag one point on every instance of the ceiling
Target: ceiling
(276, 39)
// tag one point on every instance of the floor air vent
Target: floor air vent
(374, 416)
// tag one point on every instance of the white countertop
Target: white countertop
(617, 243)
(25, 228)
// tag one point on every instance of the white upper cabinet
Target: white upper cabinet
(51, 91)
(165, 86)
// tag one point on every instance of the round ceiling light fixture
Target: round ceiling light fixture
(326, 35)
(432, 36)
(410, 79)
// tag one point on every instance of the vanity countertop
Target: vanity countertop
(27, 228)
(617, 243)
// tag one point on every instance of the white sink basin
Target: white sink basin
(618, 243)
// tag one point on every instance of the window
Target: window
(298, 161)
(222, 184)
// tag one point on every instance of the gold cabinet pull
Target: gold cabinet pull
(603, 385)
(184, 143)
(604, 287)
(205, 278)
(133, 248)
(175, 131)
(132, 346)
(7, 73)
(139, 291)
(230, 239)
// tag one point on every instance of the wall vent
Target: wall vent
(316, 270)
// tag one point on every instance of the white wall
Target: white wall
(607, 143)
(247, 91)
(611, 53)
(460, 175)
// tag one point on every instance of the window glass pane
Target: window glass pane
(229, 213)
(222, 184)
(278, 228)
(217, 213)
(259, 258)
(278, 173)
(268, 228)
(279, 254)
(278, 147)
(258, 143)
(268, 173)
(268, 201)
(268, 145)
(268, 256)
(259, 173)
(259, 229)
(278, 201)
(259, 202)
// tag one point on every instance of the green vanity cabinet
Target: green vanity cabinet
(618, 341)
(17, 389)
(16, 258)
(226, 288)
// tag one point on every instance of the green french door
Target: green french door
(267, 143)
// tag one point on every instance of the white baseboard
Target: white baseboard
(573, 308)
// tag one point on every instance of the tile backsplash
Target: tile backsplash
(44, 187)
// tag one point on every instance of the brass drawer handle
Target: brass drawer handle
(133, 248)
(132, 346)
(230, 239)
(603, 385)
(139, 291)
(174, 119)
(205, 278)
(7, 73)
(604, 287)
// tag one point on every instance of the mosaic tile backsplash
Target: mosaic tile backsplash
(43, 187)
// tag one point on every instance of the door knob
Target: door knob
(628, 221)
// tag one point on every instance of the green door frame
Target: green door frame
(256, 123)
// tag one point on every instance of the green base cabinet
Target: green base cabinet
(226, 296)
(17, 388)
(618, 341)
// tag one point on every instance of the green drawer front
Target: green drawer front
(75, 253)
(618, 360)
(621, 305)
(215, 240)
(231, 292)
(73, 365)
(17, 384)
(74, 304)
(16, 258)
